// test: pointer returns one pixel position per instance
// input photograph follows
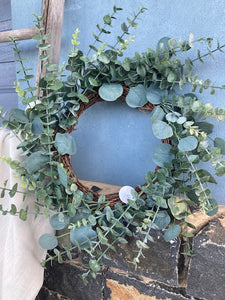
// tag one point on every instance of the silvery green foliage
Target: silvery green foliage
(151, 78)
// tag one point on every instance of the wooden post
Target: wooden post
(19, 34)
(52, 23)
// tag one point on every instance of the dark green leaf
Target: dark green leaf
(18, 115)
(83, 236)
(172, 232)
(162, 219)
(205, 126)
(220, 143)
(37, 127)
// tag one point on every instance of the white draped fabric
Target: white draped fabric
(21, 275)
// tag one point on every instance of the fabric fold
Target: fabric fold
(21, 275)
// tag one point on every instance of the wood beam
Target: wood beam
(19, 34)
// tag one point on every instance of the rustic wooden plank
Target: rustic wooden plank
(19, 34)
(52, 22)
(105, 189)
(7, 75)
(5, 10)
(6, 53)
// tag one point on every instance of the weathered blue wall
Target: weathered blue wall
(114, 146)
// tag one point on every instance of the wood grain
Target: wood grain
(19, 34)
(105, 188)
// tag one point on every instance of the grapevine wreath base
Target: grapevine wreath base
(94, 98)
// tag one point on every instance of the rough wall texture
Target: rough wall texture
(163, 274)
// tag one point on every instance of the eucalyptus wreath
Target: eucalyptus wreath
(151, 81)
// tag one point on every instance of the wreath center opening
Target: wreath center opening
(114, 144)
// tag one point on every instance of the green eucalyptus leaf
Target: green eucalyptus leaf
(162, 130)
(205, 126)
(23, 214)
(35, 162)
(59, 221)
(110, 91)
(124, 27)
(171, 76)
(82, 236)
(157, 114)
(161, 202)
(48, 241)
(163, 44)
(205, 176)
(177, 207)
(212, 207)
(65, 144)
(220, 143)
(107, 19)
(171, 117)
(18, 115)
(172, 232)
(188, 143)
(94, 265)
(63, 178)
(155, 94)
(104, 58)
(162, 219)
(37, 127)
(162, 154)
(93, 81)
(136, 96)
(56, 86)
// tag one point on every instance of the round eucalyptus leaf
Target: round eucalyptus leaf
(154, 94)
(65, 143)
(48, 241)
(79, 216)
(163, 43)
(162, 130)
(82, 236)
(136, 96)
(18, 115)
(181, 120)
(35, 162)
(162, 219)
(157, 114)
(110, 91)
(212, 207)
(171, 117)
(220, 143)
(188, 143)
(59, 221)
(37, 127)
(177, 207)
(162, 154)
(172, 232)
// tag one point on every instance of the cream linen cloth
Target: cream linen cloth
(21, 275)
